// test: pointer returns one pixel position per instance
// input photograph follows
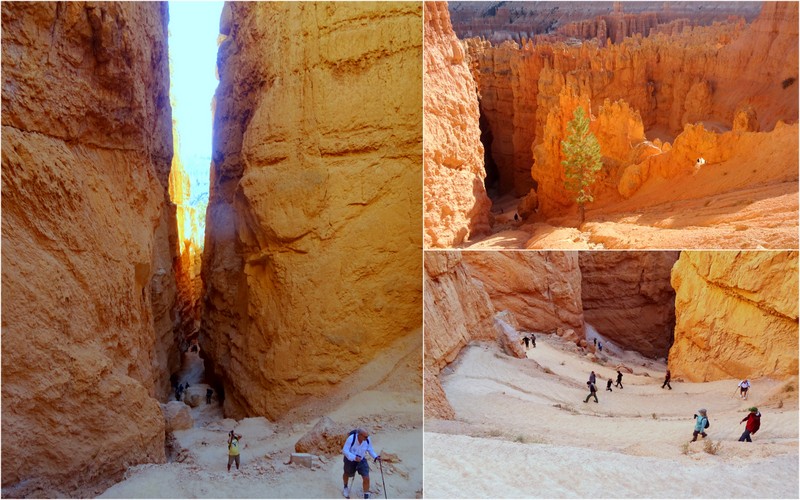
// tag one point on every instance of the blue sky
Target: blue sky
(193, 31)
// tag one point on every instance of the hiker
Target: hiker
(753, 420)
(233, 449)
(744, 385)
(592, 392)
(595, 341)
(592, 377)
(209, 393)
(527, 341)
(666, 381)
(533, 340)
(355, 450)
(608, 386)
(600, 346)
(619, 379)
(700, 424)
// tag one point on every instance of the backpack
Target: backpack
(707, 424)
(353, 433)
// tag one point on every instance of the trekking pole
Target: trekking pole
(380, 462)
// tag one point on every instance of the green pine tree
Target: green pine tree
(582, 159)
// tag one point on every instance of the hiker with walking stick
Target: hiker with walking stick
(355, 450)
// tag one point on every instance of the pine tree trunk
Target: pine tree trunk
(581, 214)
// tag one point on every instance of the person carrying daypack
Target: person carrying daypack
(527, 341)
(608, 385)
(619, 379)
(700, 424)
(753, 420)
(355, 450)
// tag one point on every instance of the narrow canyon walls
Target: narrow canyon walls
(456, 204)
(736, 315)
(541, 289)
(628, 298)
(312, 253)
(88, 243)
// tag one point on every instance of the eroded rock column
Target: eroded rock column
(312, 253)
(456, 204)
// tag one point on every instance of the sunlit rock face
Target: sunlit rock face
(628, 298)
(736, 315)
(664, 82)
(88, 243)
(312, 263)
(456, 203)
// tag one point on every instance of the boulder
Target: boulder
(177, 416)
(325, 438)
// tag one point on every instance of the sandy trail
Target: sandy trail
(529, 418)
(386, 400)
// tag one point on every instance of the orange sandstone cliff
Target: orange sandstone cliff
(311, 263)
(456, 204)
(88, 244)
(627, 297)
(667, 81)
(541, 289)
(736, 315)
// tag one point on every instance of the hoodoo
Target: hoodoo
(89, 243)
(662, 89)
(456, 204)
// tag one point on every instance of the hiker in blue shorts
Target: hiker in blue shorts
(355, 450)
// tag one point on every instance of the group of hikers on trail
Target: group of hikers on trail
(701, 417)
(591, 383)
(356, 447)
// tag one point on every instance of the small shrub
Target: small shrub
(495, 433)
(685, 448)
(519, 439)
(655, 417)
(711, 447)
(788, 82)
(780, 404)
(562, 363)
(548, 371)
(789, 388)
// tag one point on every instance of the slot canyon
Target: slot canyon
(712, 318)
(304, 297)
(664, 83)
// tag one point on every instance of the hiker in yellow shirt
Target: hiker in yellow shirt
(233, 449)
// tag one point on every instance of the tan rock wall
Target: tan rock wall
(736, 315)
(541, 289)
(312, 253)
(627, 297)
(457, 311)
(456, 204)
(88, 243)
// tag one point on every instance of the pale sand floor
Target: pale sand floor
(523, 430)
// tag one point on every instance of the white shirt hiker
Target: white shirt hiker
(352, 448)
